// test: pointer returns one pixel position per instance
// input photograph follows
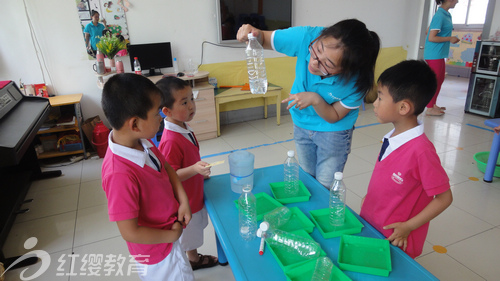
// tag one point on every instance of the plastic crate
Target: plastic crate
(297, 221)
(321, 218)
(278, 190)
(365, 255)
(70, 147)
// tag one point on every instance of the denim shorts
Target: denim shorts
(321, 154)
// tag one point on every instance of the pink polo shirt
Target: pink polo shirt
(402, 185)
(136, 190)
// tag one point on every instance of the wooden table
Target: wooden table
(223, 95)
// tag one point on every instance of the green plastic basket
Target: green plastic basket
(265, 204)
(305, 272)
(365, 255)
(321, 218)
(278, 190)
(482, 161)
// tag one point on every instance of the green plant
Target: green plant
(110, 45)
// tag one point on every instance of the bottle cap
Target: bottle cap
(339, 176)
(264, 226)
(135, 58)
(290, 153)
(175, 59)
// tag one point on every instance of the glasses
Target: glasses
(314, 56)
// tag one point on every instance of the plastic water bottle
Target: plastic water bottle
(176, 66)
(101, 69)
(278, 217)
(256, 66)
(137, 66)
(337, 200)
(247, 208)
(293, 244)
(291, 174)
(322, 270)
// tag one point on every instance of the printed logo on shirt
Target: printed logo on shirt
(333, 97)
(397, 178)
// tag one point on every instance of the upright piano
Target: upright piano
(20, 119)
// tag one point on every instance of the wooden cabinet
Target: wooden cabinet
(204, 122)
(72, 101)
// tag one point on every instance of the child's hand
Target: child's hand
(496, 129)
(184, 214)
(400, 235)
(201, 168)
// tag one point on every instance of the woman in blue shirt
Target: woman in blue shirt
(93, 32)
(333, 73)
(437, 48)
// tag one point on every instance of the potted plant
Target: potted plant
(109, 45)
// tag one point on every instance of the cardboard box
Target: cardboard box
(88, 128)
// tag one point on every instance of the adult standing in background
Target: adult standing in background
(93, 32)
(333, 73)
(437, 48)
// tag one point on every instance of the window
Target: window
(469, 13)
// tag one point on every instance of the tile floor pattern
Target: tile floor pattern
(69, 214)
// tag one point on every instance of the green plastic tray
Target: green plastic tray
(265, 204)
(365, 255)
(321, 218)
(305, 272)
(278, 190)
(297, 221)
(287, 261)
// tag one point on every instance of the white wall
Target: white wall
(64, 66)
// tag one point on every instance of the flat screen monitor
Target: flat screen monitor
(152, 56)
(264, 15)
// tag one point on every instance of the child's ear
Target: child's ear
(165, 111)
(132, 125)
(405, 107)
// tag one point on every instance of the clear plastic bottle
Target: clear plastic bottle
(247, 209)
(337, 200)
(278, 217)
(291, 174)
(100, 68)
(322, 270)
(137, 66)
(256, 66)
(176, 66)
(293, 244)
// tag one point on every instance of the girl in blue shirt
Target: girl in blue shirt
(437, 48)
(333, 73)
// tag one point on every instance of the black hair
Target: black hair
(360, 48)
(93, 13)
(439, 2)
(120, 37)
(411, 80)
(167, 87)
(127, 95)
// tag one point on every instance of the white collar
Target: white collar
(133, 155)
(176, 128)
(404, 137)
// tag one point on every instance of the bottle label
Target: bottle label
(137, 70)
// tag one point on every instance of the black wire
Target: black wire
(218, 45)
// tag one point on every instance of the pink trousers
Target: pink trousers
(438, 66)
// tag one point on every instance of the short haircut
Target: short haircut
(127, 95)
(93, 13)
(411, 80)
(167, 86)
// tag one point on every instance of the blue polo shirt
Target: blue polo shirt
(442, 22)
(95, 33)
(294, 42)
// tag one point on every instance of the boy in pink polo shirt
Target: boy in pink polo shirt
(409, 187)
(145, 196)
(181, 149)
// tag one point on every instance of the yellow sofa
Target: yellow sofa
(281, 72)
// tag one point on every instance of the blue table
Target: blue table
(244, 258)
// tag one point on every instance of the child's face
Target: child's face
(183, 109)
(384, 107)
(150, 126)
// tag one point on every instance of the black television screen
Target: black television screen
(151, 56)
(262, 14)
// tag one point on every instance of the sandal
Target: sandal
(204, 261)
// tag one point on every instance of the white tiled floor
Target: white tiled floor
(69, 214)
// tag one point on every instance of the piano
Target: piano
(20, 119)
